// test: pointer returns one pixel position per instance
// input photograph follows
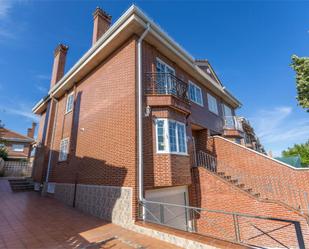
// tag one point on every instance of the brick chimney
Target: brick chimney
(101, 23)
(59, 63)
(30, 132)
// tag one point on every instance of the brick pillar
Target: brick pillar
(59, 64)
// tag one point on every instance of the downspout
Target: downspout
(52, 143)
(140, 116)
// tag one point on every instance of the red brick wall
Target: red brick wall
(213, 193)
(284, 180)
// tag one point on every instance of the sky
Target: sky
(249, 44)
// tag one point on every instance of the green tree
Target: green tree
(3, 150)
(301, 67)
(301, 150)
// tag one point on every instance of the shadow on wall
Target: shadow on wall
(89, 184)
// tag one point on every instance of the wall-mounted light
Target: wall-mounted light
(147, 111)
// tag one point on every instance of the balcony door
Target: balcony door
(165, 79)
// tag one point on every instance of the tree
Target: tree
(3, 150)
(301, 150)
(301, 67)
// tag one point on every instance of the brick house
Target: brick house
(18, 146)
(137, 122)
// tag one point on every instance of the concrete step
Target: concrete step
(220, 173)
(249, 190)
(227, 177)
(257, 195)
(234, 181)
(240, 185)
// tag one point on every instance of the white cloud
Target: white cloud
(20, 110)
(5, 7)
(277, 128)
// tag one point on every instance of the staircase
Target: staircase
(22, 184)
(260, 187)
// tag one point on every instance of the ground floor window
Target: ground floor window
(64, 149)
(171, 136)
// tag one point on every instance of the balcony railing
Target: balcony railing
(166, 83)
(233, 123)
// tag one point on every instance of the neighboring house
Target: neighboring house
(18, 146)
(137, 125)
(239, 130)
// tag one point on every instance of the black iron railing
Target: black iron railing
(166, 83)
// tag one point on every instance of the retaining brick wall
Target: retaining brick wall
(215, 194)
(285, 183)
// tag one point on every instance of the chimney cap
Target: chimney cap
(61, 48)
(102, 13)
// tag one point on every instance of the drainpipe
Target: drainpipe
(140, 116)
(51, 144)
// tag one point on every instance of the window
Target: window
(64, 149)
(2, 145)
(227, 111)
(212, 104)
(70, 102)
(171, 136)
(195, 94)
(18, 147)
(164, 77)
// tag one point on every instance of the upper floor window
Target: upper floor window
(18, 147)
(227, 111)
(212, 104)
(70, 102)
(195, 94)
(171, 136)
(64, 149)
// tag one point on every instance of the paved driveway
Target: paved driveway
(28, 220)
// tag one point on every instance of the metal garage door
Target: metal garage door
(172, 216)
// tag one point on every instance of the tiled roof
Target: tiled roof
(7, 134)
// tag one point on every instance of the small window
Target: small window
(212, 104)
(2, 145)
(70, 102)
(64, 149)
(195, 94)
(227, 111)
(18, 147)
(171, 136)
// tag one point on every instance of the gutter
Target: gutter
(140, 115)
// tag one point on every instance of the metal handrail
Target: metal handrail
(233, 122)
(269, 187)
(166, 83)
(230, 226)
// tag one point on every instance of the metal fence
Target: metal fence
(258, 231)
(166, 83)
(233, 122)
(17, 168)
(269, 187)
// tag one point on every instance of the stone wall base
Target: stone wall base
(114, 204)
(110, 203)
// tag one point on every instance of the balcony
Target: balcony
(165, 89)
(233, 126)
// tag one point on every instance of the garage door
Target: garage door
(172, 216)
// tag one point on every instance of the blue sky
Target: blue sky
(248, 43)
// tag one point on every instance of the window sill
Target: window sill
(68, 112)
(172, 153)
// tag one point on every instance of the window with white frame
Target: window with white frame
(70, 102)
(18, 147)
(227, 111)
(195, 93)
(64, 149)
(212, 104)
(171, 136)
